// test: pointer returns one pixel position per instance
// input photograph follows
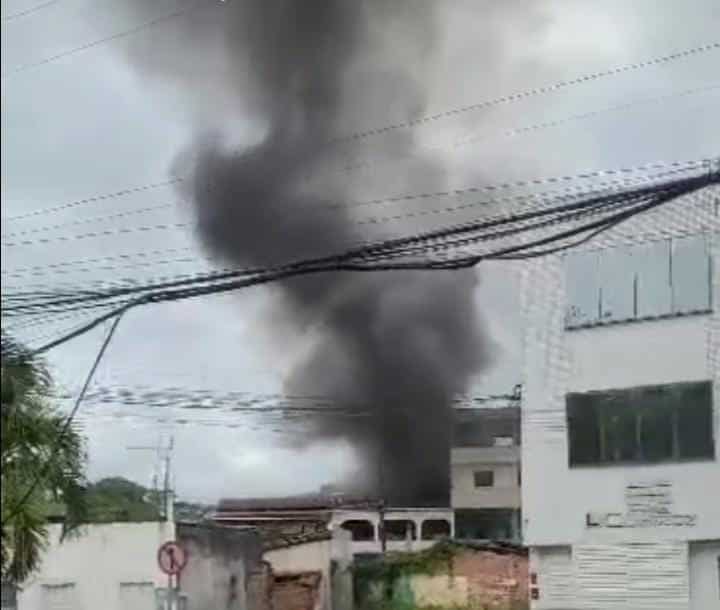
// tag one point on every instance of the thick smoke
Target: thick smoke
(396, 345)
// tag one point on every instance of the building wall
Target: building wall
(221, 563)
(316, 557)
(111, 566)
(556, 498)
(585, 554)
(471, 578)
(503, 462)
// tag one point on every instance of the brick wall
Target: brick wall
(493, 579)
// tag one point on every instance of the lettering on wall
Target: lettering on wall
(646, 505)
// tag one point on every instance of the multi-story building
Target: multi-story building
(485, 470)
(621, 415)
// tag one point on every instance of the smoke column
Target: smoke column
(400, 345)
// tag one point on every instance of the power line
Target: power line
(365, 254)
(362, 250)
(94, 198)
(522, 130)
(83, 221)
(73, 263)
(29, 11)
(53, 270)
(521, 95)
(397, 198)
(353, 260)
(113, 37)
(12, 513)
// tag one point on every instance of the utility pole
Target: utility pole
(163, 454)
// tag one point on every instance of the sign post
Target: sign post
(172, 558)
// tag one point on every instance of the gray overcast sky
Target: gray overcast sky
(89, 124)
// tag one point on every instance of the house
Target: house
(405, 528)
(621, 415)
(485, 470)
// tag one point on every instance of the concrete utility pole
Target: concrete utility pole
(164, 454)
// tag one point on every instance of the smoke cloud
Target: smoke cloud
(398, 346)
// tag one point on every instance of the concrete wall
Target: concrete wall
(472, 578)
(556, 498)
(220, 565)
(308, 557)
(502, 461)
(584, 558)
(111, 566)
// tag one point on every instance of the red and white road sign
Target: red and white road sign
(172, 558)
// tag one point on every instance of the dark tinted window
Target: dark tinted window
(484, 478)
(645, 424)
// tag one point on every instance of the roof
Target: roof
(305, 502)
(277, 540)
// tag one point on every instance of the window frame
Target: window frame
(599, 422)
(491, 478)
(574, 315)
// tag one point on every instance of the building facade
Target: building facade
(485, 471)
(620, 415)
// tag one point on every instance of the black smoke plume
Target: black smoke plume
(397, 345)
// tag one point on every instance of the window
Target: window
(59, 597)
(484, 478)
(400, 529)
(435, 529)
(503, 441)
(137, 595)
(633, 282)
(359, 530)
(644, 424)
(9, 596)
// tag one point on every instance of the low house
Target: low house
(368, 523)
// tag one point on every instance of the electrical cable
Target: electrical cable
(141, 27)
(521, 95)
(28, 11)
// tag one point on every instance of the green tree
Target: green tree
(117, 499)
(43, 462)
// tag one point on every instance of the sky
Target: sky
(88, 124)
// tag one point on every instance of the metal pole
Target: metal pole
(381, 501)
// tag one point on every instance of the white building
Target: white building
(621, 415)
(111, 566)
(485, 471)
(405, 528)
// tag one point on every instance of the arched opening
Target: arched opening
(361, 530)
(435, 529)
(400, 529)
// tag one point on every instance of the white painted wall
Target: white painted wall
(556, 498)
(704, 575)
(110, 566)
(505, 492)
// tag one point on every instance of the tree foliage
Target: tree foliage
(118, 499)
(35, 447)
